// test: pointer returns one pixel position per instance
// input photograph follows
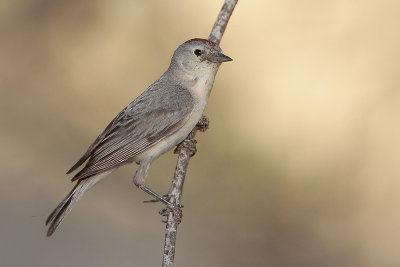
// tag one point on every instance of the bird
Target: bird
(156, 121)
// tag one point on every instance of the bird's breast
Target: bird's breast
(200, 93)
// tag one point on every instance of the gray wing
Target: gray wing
(160, 111)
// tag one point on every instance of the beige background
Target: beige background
(299, 168)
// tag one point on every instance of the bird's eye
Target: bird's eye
(197, 52)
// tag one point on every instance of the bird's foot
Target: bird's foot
(203, 124)
(176, 212)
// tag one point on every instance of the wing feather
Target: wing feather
(157, 113)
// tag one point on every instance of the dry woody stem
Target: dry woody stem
(187, 149)
(222, 20)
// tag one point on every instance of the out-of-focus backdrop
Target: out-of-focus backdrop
(300, 166)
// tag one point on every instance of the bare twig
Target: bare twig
(184, 150)
(187, 149)
(222, 20)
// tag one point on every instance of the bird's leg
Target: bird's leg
(176, 209)
(139, 180)
(163, 199)
(166, 198)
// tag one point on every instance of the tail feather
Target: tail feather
(58, 215)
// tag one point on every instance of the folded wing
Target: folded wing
(159, 112)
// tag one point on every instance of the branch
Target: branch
(187, 149)
(222, 20)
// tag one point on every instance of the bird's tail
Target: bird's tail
(58, 215)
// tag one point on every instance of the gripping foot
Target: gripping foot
(177, 213)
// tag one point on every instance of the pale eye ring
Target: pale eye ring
(197, 52)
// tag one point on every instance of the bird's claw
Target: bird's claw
(203, 124)
(176, 211)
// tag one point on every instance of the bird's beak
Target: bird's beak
(218, 58)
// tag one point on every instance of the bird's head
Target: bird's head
(198, 56)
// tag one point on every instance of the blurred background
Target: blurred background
(300, 166)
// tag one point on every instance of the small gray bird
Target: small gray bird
(159, 119)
